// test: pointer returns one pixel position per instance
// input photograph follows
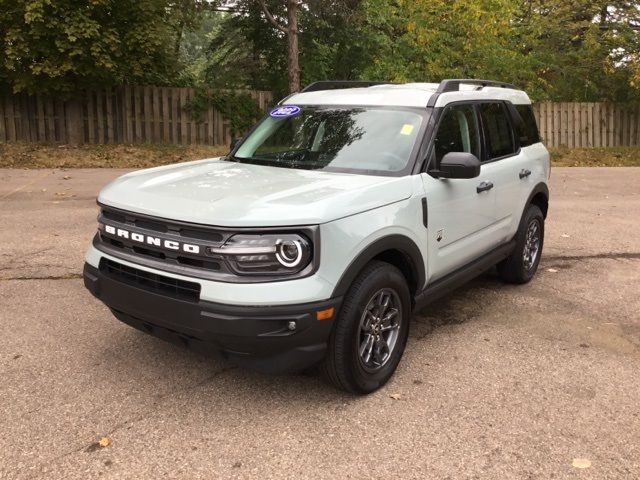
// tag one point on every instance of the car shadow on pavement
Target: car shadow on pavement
(141, 359)
(460, 306)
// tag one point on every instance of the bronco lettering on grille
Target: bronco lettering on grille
(149, 240)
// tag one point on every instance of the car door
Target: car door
(461, 212)
(506, 161)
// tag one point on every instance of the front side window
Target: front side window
(363, 139)
(497, 129)
(457, 132)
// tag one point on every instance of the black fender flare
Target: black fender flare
(400, 243)
(539, 188)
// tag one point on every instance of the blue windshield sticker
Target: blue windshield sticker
(285, 111)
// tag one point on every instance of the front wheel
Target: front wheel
(371, 331)
(522, 264)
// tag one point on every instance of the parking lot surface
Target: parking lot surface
(497, 381)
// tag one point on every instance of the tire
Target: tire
(520, 267)
(353, 331)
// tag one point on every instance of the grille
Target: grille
(152, 282)
(187, 233)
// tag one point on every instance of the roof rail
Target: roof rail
(336, 84)
(453, 84)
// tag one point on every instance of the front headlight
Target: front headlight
(249, 254)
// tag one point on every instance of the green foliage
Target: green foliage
(194, 48)
(427, 40)
(569, 50)
(581, 50)
(555, 49)
(246, 51)
(333, 44)
(239, 109)
(58, 46)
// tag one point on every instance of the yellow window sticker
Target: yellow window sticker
(407, 128)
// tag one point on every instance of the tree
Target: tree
(187, 15)
(563, 50)
(291, 30)
(333, 41)
(427, 40)
(582, 50)
(60, 46)
(245, 51)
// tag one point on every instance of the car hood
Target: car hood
(221, 193)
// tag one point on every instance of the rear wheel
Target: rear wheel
(371, 330)
(522, 264)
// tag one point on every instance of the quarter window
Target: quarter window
(457, 132)
(528, 129)
(497, 128)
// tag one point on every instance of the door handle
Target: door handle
(524, 173)
(484, 186)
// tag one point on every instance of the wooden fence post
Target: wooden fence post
(3, 132)
(73, 116)
(132, 114)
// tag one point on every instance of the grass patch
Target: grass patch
(595, 157)
(34, 155)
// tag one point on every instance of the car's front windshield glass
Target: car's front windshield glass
(371, 139)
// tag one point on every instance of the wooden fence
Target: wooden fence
(158, 114)
(588, 124)
(116, 115)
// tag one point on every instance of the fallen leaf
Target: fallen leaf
(396, 396)
(581, 462)
(104, 442)
(552, 270)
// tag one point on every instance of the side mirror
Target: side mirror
(234, 142)
(458, 165)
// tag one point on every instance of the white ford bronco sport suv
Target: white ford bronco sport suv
(348, 207)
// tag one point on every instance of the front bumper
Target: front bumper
(252, 336)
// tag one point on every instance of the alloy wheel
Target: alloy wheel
(379, 329)
(531, 244)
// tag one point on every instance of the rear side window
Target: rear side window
(528, 129)
(498, 133)
(457, 132)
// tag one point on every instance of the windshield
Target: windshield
(328, 138)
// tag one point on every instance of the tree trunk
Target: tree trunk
(292, 34)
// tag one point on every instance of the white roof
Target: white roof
(405, 95)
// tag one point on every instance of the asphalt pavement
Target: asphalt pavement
(497, 381)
